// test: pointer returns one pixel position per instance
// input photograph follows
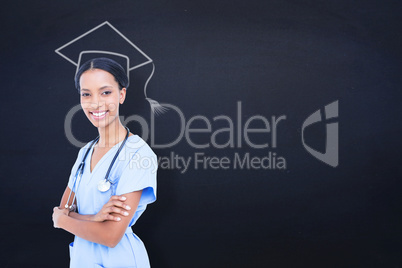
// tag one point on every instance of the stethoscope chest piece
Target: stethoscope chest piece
(103, 185)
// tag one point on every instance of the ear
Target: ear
(122, 96)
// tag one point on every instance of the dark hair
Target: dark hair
(107, 65)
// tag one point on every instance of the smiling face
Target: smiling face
(100, 97)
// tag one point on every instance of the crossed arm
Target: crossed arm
(107, 227)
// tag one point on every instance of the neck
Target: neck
(111, 134)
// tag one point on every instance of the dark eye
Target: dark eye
(84, 94)
(106, 92)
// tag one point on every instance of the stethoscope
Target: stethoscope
(104, 184)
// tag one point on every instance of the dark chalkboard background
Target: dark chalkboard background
(275, 57)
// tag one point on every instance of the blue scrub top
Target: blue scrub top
(134, 170)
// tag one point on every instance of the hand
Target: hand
(57, 214)
(114, 205)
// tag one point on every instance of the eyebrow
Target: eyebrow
(101, 88)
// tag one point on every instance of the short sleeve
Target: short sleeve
(140, 174)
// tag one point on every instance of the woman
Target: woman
(112, 180)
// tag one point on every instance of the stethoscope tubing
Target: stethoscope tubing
(80, 169)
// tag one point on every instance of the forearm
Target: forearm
(78, 216)
(97, 232)
(107, 232)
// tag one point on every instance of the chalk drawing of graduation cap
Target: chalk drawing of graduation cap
(106, 41)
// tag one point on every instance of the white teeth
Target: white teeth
(99, 114)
